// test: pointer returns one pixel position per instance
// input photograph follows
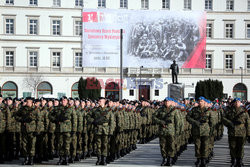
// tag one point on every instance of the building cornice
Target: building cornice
(37, 7)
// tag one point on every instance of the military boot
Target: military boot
(31, 161)
(203, 162)
(66, 160)
(89, 153)
(84, 155)
(104, 161)
(163, 162)
(60, 161)
(77, 158)
(118, 155)
(72, 160)
(198, 162)
(233, 162)
(239, 162)
(168, 163)
(99, 159)
(26, 160)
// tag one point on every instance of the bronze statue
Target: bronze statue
(175, 71)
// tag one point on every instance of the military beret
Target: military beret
(101, 98)
(50, 99)
(202, 98)
(8, 98)
(29, 98)
(77, 99)
(42, 98)
(1, 95)
(64, 97)
(168, 99)
(36, 100)
(55, 99)
(236, 99)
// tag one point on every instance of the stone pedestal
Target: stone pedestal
(176, 91)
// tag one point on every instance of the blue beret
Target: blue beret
(236, 99)
(202, 98)
(168, 99)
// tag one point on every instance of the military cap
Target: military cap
(64, 97)
(8, 98)
(29, 98)
(202, 98)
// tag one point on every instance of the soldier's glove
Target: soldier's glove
(27, 120)
(168, 121)
(236, 122)
(35, 134)
(248, 139)
(202, 121)
(196, 123)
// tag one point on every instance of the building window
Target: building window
(33, 55)
(33, 26)
(209, 30)
(208, 4)
(123, 3)
(33, 2)
(248, 61)
(57, 3)
(9, 26)
(131, 92)
(165, 4)
(229, 30)
(144, 4)
(27, 94)
(230, 4)
(9, 58)
(56, 27)
(56, 59)
(9, 2)
(248, 5)
(209, 61)
(187, 4)
(248, 30)
(78, 59)
(44, 88)
(101, 3)
(156, 92)
(229, 61)
(9, 89)
(79, 3)
(78, 28)
(74, 90)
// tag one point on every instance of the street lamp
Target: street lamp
(241, 76)
(140, 82)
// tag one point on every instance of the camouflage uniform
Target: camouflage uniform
(3, 122)
(168, 120)
(79, 131)
(238, 123)
(30, 127)
(51, 132)
(73, 142)
(85, 132)
(201, 120)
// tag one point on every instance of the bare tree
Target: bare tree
(31, 82)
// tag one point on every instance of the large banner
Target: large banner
(150, 38)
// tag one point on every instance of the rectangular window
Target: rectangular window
(230, 4)
(131, 92)
(248, 61)
(209, 30)
(33, 58)
(156, 92)
(248, 30)
(9, 26)
(33, 26)
(79, 3)
(229, 61)
(165, 4)
(248, 5)
(56, 27)
(9, 58)
(229, 30)
(57, 3)
(208, 4)
(9, 2)
(56, 59)
(123, 3)
(101, 3)
(78, 28)
(78, 59)
(187, 4)
(144, 4)
(33, 2)
(208, 61)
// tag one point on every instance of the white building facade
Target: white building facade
(40, 42)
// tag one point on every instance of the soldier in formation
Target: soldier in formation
(73, 129)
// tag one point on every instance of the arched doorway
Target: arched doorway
(74, 90)
(240, 91)
(44, 88)
(112, 91)
(9, 89)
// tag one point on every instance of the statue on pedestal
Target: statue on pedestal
(175, 71)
